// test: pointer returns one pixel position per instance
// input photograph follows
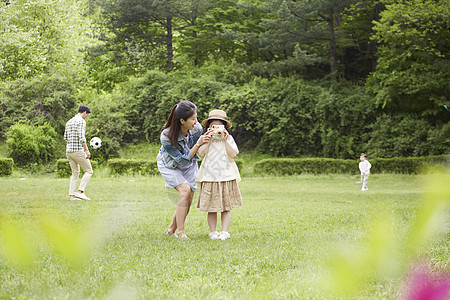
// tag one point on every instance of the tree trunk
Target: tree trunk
(333, 68)
(169, 43)
(373, 46)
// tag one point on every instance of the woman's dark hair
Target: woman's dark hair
(209, 123)
(183, 110)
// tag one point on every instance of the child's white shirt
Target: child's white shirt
(365, 166)
(217, 166)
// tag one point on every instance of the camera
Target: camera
(218, 131)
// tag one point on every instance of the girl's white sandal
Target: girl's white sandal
(214, 235)
(223, 235)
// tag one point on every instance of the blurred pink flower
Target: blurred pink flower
(422, 284)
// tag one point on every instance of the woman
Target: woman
(181, 137)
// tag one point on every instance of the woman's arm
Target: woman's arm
(201, 146)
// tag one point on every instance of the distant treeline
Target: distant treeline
(319, 78)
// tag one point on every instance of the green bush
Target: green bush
(406, 135)
(239, 164)
(29, 144)
(119, 166)
(282, 117)
(290, 166)
(6, 166)
(37, 101)
(63, 169)
(407, 165)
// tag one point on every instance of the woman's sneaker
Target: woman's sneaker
(214, 235)
(224, 235)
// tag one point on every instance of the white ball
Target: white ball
(96, 142)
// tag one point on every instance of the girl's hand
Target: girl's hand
(209, 132)
(225, 134)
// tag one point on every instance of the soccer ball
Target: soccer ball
(96, 142)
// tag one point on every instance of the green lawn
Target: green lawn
(142, 150)
(282, 239)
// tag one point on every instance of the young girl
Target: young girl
(218, 175)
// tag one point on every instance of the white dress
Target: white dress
(218, 177)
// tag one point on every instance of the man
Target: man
(78, 153)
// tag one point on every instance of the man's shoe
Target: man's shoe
(73, 198)
(82, 196)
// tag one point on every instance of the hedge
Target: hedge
(132, 166)
(290, 166)
(63, 167)
(120, 166)
(6, 166)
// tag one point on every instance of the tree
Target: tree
(413, 59)
(145, 32)
(223, 30)
(42, 36)
(141, 29)
(360, 49)
(306, 30)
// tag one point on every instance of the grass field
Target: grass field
(283, 240)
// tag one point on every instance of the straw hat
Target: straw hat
(217, 114)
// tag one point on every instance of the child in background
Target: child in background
(218, 175)
(364, 167)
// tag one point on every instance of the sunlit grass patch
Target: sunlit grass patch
(145, 151)
(282, 239)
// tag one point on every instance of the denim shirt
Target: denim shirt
(171, 155)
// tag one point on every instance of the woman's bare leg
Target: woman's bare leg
(173, 226)
(183, 207)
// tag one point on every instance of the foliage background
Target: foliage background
(297, 78)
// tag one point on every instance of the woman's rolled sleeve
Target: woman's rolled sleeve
(174, 153)
(196, 133)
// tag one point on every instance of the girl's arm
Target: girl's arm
(203, 150)
(231, 147)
